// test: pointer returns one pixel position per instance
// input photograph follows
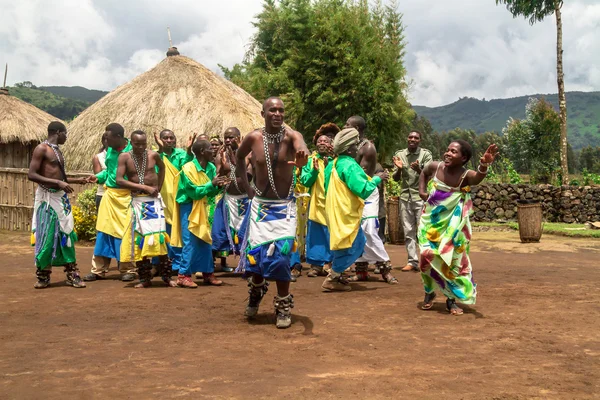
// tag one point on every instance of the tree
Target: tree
(535, 11)
(328, 60)
(532, 143)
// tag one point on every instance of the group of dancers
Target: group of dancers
(177, 209)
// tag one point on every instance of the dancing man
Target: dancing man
(146, 234)
(374, 249)
(445, 226)
(52, 226)
(270, 235)
(347, 186)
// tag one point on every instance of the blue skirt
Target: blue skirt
(196, 255)
(317, 244)
(343, 259)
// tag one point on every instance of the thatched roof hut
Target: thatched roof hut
(22, 127)
(178, 94)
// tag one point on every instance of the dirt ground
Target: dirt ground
(534, 334)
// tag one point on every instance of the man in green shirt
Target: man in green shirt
(114, 208)
(409, 163)
(174, 159)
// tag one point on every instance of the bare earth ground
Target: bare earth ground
(534, 333)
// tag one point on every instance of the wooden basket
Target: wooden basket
(530, 219)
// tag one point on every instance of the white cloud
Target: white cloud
(475, 49)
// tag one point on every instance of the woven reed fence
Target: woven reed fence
(17, 195)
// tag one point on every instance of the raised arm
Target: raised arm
(161, 169)
(359, 182)
(300, 149)
(476, 177)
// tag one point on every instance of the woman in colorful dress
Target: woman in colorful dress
(445, 228)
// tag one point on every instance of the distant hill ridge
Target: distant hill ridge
(75, 92)
(583, 115)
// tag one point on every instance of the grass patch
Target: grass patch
(552, 228)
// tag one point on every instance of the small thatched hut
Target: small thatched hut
(178, 94)
(22, 127)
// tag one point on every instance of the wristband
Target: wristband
(481, 172)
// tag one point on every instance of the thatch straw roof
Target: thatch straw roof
(178, 94)
(21, 121)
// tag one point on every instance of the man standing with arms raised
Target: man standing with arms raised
(269, 238)
(374, 250)
(409, 163)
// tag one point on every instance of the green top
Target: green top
(409, 179)
(309, 175)
(352, 174)
(188, 192)
(179, 157)
(109, 175)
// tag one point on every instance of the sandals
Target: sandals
(428, 301)
(452, 308)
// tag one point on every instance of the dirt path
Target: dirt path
(533, 334)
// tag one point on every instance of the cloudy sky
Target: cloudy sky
(455, 48)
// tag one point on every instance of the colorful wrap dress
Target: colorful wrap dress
(444, 237)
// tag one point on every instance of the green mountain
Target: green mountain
(59, 106)
(76, 92)
(583, 115)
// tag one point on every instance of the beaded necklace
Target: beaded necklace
(141, 172)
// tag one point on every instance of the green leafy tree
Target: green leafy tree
(328, 60)
(533, 143)
(589, 159)
(535, 11)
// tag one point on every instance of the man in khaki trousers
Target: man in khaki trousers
(409, 163)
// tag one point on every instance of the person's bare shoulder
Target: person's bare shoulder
(153, 154)
(124, 156)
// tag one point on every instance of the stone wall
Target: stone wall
(560, 203)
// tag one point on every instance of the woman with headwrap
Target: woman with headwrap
(313, 176)
(347, 187)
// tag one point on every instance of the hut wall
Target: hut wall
(16, 154)
(17, 195)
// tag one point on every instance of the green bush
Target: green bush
(392, 188)
(84, 214)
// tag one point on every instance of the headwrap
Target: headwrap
(344, 139)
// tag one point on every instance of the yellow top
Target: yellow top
(169, 189)
(198, 219)
(344, 212)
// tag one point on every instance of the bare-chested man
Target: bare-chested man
(146, 235)
(232, 207)
(270, 234)
(52, 225)
(374, 250)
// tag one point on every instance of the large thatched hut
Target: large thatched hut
(22, 127)
(178, 94)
